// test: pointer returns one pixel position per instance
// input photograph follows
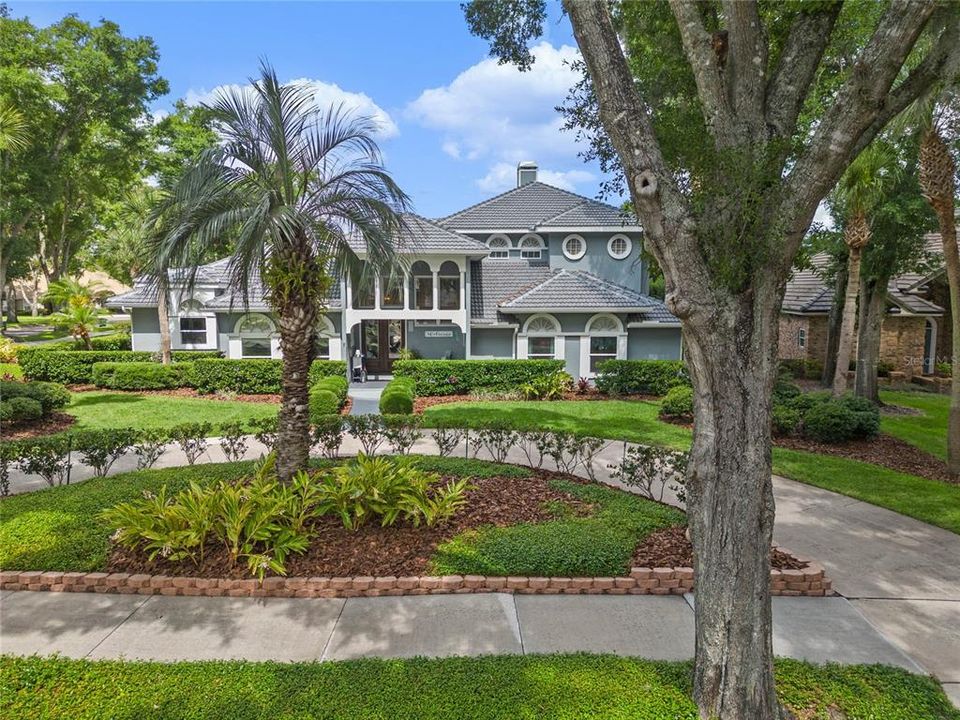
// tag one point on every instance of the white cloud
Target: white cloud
(500, 116)
(325, 95)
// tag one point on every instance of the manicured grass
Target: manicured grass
(98, 410)
(484, 688)
(634, 421)
(11, 369)
(927, 431)
(931, 501)
(60, 528)
(600, 544)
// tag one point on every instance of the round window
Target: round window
(574, 247)
(619, 247)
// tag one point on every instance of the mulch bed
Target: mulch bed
(670, 548)
(57, 422)
(183, 393)
(422, 403)
(373, 550)
(884, 450)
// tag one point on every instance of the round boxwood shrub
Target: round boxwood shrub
(396, 402)
(867, 415)
(830, 422)
(51, 396)
(323, 402)
(678, 403)
(786, 420)
(20, 409)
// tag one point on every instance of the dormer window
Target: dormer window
(499, 247)
(574, 247)
(531, 247)
(619, 247)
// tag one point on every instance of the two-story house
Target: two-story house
(536, 272)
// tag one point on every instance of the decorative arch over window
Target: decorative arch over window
(192, 323)
(449, 281)
(604, 323)
(421, 279)
(255, 331)
(574, 247)
(499, 246)
(190, 306)
(619, 247)
(531, 246)
(606, 340)
(324, 337)
(542, 324)
(255, 324)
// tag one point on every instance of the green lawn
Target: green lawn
(927, 431)
(928, 500)
(60, 528)
(98, 410)
(484, 688)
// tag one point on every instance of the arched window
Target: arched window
(193, 325)
(421, 277)
(531, 247)
(574, 247)
(255, 331)
(325, 332)
(449, 279)
(541, 331)
(604, 331)
(499, 246)
(619, 247)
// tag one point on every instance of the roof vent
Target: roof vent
(526, 173)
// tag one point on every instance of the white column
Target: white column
(560, 348)
(436, 290)
(349, 285)
(407, 279)
(336, 349)
(622, 346)
(522, 347)
(463, 290)
(376, 292)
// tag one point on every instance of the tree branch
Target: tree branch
(790, 83)
(698, 46)
(746, 65)
(856, 109)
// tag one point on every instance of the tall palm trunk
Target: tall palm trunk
(297, 322)
(856, 236)
(163, 316)
(937, 170)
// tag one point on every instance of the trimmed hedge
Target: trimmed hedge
(678, 402)
(641, 377)
(397, 396)
(254, 377)
(337, 384)
(20, 409)
(51, 396)
(75, 367)
(456, 377)
(322, 403)
(821, 417)
(142, 375)
(117, 341)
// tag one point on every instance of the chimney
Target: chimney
(526, 173)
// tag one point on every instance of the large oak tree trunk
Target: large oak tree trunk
(848, 324)
(873, 307)
(733, 366)
(297, 323)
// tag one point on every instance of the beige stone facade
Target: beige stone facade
(901, 340)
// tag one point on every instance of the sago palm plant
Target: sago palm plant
(296, 189)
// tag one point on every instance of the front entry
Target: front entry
(381, 343)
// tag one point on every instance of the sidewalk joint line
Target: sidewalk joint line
(336, 622)
(516, 613)
(116, 627)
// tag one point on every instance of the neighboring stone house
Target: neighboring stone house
(536, 272)
(912, 332)
(28, 292)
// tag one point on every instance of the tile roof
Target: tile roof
(534, 205)
(807, 292)
(426, 236)
(501, 287)
(142, 295)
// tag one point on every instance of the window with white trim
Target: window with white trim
(499, 247)
(254, 331)
(531, 247)
(541, 333)
(321, 341)
(802, 337)
(574, 247)
(604, 331)
(619, 247)
(193, 328)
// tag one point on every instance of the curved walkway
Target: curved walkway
(901, 575)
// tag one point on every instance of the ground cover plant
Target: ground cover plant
(483, 688)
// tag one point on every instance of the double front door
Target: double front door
(381, 343)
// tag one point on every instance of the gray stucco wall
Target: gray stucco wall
(144, 329)
(491, 342)
(433, 348)
(653, 343)
(571, 354)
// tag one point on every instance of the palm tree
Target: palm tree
(70, 292)
(80, 320)
(860, 188)
(14, 134)
(295, 187)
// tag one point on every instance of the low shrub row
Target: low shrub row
(254, 377)
(22, 402)
(397, 396)
(457, 377)
(327, 396)
(819, 416)
(141, 375)
(640, 377)
(75, 367)
(116, 341)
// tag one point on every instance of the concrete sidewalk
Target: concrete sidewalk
(182, 628)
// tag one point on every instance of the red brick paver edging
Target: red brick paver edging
(811, 581)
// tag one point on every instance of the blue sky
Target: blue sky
(454, 122)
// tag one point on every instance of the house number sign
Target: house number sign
(438, 333)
